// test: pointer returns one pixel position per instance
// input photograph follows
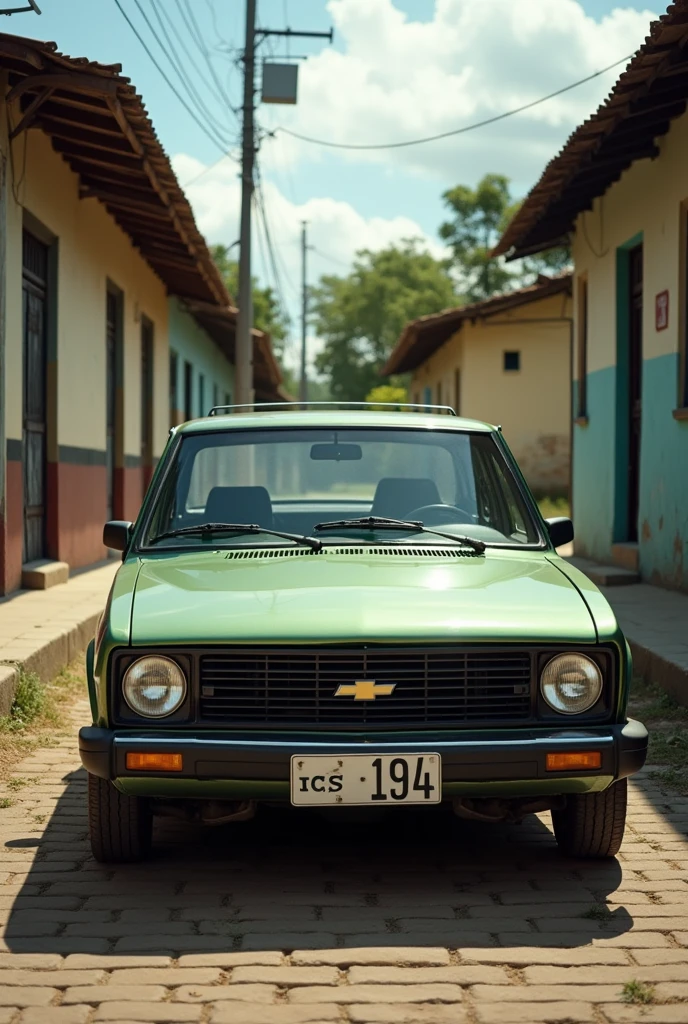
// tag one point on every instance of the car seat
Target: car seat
(239, 505)
(396, 496)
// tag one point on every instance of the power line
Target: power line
(210, 167)
(195, 32)
(177, 67)
(170, 84)
(332, 259)
(182, 43)
(274, 255)
(455, 131)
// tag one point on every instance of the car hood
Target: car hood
(343, 595)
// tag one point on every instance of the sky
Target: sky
(396, 70)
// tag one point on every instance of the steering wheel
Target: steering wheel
(441, 514)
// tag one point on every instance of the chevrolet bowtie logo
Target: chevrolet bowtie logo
(365, 689)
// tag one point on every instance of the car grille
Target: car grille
(433, 686)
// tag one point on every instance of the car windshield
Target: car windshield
(292, 480)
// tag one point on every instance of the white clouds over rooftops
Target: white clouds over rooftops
(398, 79)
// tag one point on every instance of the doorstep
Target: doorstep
(605, 575)
(44, 573)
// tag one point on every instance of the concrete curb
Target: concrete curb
(9, 677)
(653, 668)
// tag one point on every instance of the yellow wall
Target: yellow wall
(532, 404)
(92, 249)
(647, 198)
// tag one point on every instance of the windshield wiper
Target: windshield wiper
(381, 523)
(202, 528)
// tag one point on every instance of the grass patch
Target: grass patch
(39, 714)
(6, 802)
(551, 507)
(666, 721)
(638, 992)
(29, 703)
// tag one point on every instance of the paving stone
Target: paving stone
(621, 1014)
(34, 961)
(401, 957)
(227, 960)
(56, 1015)
(524, 956)
(651, 957)
(533, 1013)
(55, 979)
(604, 975)
(372, 994)
(156, 1013)
(469, 975)
(166, 976)
(243, 1013)
(214, 993)
(407, 1013)
(80, 961)
(24, 995)
(263, 940)
(110, 993)
(286, 977)
(545, 993)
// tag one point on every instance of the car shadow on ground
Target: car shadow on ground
(293, 879)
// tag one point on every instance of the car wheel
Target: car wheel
(592, 824)
(120, 826)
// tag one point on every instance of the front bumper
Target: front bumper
(504, 762)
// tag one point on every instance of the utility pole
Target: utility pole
(303, 388)
(243, 358)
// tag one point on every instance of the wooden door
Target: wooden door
(146, 397)
(635, 381)
(34, 298)
(112, 334)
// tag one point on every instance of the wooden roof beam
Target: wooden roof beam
(137, 146)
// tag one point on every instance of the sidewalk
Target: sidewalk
(43, 630)
(655, 622)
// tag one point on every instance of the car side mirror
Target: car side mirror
(560, 530)
(116, 534)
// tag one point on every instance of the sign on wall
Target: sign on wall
(662, 311)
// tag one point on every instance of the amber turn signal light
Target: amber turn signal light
(586, 759)
(154, 762)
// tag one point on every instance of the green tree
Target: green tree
(479, 217)
(268, 314)
(360, 317)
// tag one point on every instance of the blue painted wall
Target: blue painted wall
(663, 519)
(598, 464)
(594, 460)
(210, 369)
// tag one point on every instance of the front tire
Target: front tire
(120, 827)
(592, 824)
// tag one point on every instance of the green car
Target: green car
(352, 608)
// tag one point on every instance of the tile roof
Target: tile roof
(650, 93)
(98, 123)
(422, 337)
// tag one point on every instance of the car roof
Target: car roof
(332, 418)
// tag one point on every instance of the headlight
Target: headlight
(154, 686)
(571, 683)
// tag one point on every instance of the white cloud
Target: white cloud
(399, 79)
(336, 230)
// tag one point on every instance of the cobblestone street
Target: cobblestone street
(290, 918)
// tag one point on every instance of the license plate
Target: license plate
(366, 780)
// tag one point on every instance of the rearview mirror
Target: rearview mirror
(560, 530)
(116, 534)
(336, 452)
